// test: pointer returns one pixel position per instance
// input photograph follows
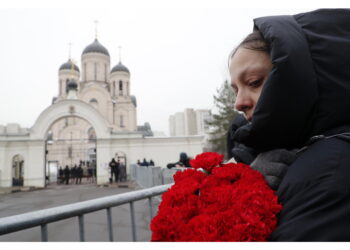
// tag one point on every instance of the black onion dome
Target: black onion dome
(120, 67)
(96, 47)
(72, 84)
(68, 65)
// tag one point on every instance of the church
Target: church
(92, 120)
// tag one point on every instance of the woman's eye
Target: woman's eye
(254, 84)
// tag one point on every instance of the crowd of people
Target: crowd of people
(145, 163)
(75, 174)
(183, 162)
(117, 171)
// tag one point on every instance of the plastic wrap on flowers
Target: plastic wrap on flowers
(231, 203)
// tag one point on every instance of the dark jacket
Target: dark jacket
(66, 172)
(306, 94)
(184, 160)
(239, 151)
(113, 165)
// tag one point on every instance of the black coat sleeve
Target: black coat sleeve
(315, 194)
(239, 151)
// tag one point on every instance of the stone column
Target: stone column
(103, 155)
(34, 167)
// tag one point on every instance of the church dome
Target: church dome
(96, 47)
(68, 65)
(120, 67)
(72, 84)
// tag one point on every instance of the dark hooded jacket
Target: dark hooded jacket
(239, 151)
(307, 93)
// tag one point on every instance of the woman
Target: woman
(292, 80)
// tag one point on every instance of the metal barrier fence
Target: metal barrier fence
(43, 217)
(151, 176)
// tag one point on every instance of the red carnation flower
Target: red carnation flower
(232, 203)
(207, 161)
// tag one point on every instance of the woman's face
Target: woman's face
(249, 70)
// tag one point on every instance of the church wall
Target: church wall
(33, 156)
(3, 164)
(2, 160)
(13, 149)
(162, 150)
(103, 151)
(121, 118)
(35, 176)
(101, 95)
(109, 111)
(125, 108)
(131, 115)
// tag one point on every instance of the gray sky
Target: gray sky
(177, 56)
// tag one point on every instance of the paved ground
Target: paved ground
(67, 230)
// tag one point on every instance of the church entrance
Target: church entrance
(17, 170)
(121, 157)
(71, 152)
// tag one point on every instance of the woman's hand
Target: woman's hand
(273, 165)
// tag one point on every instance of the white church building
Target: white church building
(92, 120)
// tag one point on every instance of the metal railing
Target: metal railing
(43, 217)
(152, 176)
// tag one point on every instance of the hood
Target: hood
(308, 90)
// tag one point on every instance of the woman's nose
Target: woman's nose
(243, 102)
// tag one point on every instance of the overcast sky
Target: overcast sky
(177, 56)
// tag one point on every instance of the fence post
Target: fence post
(81, 228)
(133, 225)
(110, 224)
(44, 232)
(150, 207)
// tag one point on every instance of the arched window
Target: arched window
(91, 134)
(49, 137)
(95, 71)
(122, 121)
(17, 170)
(94, 103)
(120, 88)
(67, 80)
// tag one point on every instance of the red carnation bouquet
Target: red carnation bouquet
(225, 202)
